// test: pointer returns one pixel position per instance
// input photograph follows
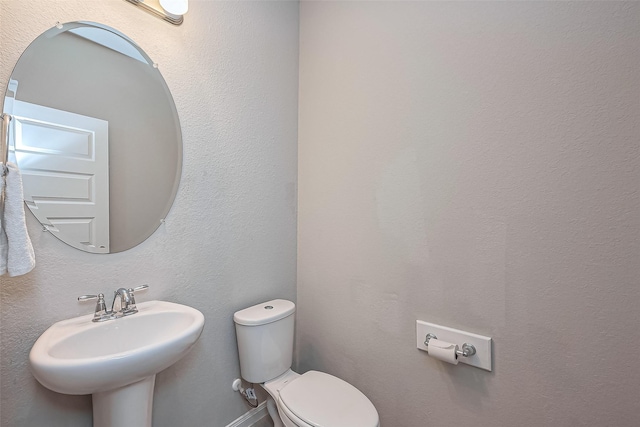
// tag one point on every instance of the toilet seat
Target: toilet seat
(288, 418)
(317, 399)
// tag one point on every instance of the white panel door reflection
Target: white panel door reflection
(64, 161)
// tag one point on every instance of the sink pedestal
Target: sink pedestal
(130, 405)
(80, 356)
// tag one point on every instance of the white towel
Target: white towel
(16, 252)
(4, 245)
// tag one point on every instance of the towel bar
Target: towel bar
(4, 142)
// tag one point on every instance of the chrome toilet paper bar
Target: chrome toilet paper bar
(446, 339)
(468, 350)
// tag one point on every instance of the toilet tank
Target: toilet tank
(265, 339)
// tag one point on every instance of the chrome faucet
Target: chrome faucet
(125, 300)
(127, 304)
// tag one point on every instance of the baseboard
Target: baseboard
(251, 417)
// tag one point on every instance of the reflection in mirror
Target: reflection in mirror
(64, 159)
(96, 136)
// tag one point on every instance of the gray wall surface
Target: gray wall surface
(471, 164)
(229, 241)
(476, 165)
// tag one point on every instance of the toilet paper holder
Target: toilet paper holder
(468, 350)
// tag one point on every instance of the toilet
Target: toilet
(314, 399)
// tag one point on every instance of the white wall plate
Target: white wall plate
(482, 358)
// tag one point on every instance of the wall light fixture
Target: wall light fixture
(169, 10)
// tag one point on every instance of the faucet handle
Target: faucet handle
(100, 314)
(132, 304)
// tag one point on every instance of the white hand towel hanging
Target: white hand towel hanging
(16, 252)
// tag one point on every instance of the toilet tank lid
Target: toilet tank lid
(263, 313)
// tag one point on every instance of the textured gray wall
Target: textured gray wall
(229, 240)
(473, 164)
(470, 164)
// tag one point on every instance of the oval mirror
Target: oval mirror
(96, 136)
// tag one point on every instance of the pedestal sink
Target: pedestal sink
(116, 361)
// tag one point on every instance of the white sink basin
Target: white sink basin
(78, 356)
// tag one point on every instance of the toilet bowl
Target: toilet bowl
(317, 399)
(313, 399)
